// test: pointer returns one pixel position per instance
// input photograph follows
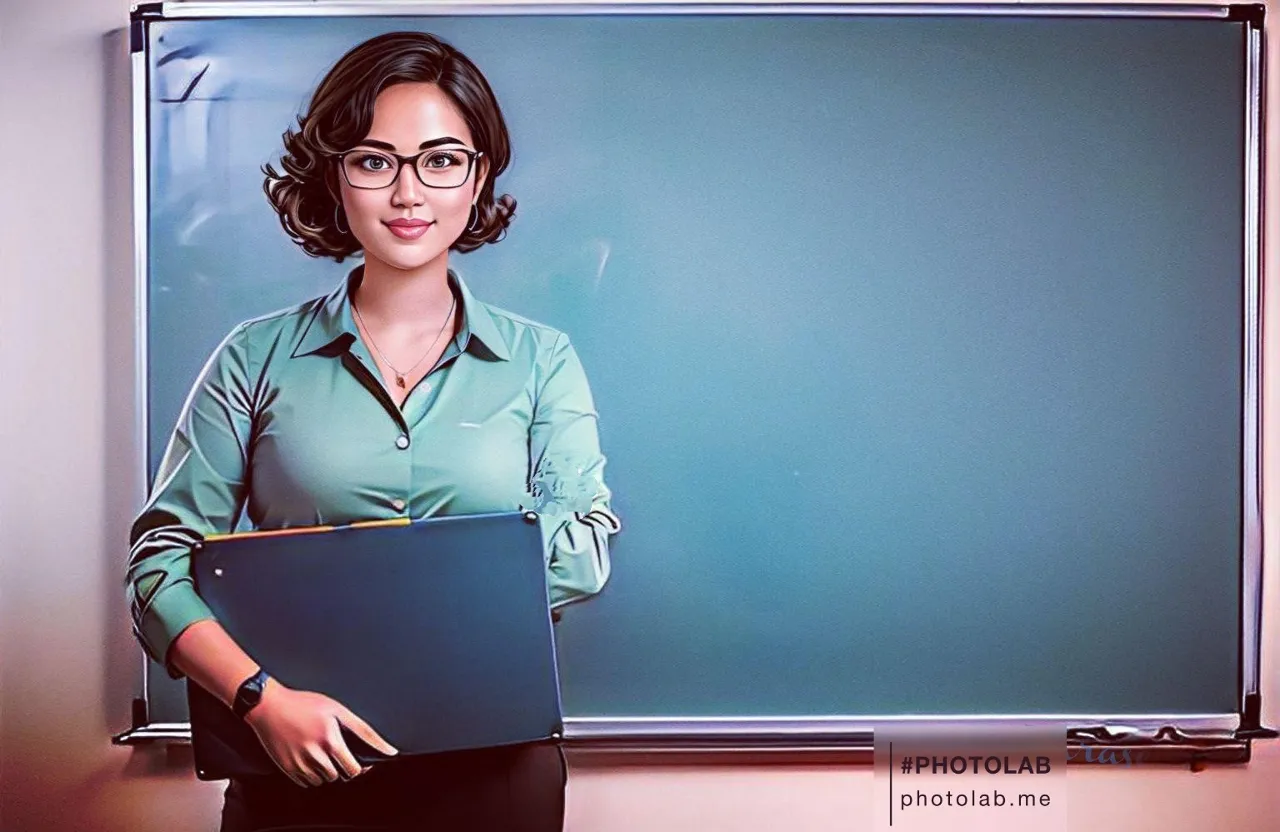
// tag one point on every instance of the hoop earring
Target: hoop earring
(336, 209)
(474, 222)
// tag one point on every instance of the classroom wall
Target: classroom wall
(68, 665)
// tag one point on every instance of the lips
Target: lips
(408, 229)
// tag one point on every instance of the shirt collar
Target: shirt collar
(333, 320)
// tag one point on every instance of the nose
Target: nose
(408, 190)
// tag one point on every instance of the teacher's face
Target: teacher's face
(407, 224)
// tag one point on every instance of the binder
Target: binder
(437, 632)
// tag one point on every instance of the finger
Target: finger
(282, 766)
(348, 767)
(363, 730)
(294, 777)
(302, 774)
(320, 764)
(289, 769)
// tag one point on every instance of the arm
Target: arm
(568, 480)
(200, 489)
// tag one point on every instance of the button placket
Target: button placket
(399, 504)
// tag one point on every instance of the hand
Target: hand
(302, 733)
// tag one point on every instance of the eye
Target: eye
(373, 162)
(444, 159)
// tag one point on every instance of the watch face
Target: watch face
(253, 691)
(250, 693)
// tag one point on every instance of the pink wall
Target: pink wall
(67, 662)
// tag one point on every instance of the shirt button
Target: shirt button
(397, 504)
(402, 441)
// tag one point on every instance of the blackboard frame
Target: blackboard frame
(1212, 736)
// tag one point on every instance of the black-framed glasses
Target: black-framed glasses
(439, 167)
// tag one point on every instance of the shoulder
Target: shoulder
(252, 342)
(273, 329)
(507, 320)
(523, 334)
(288, 319)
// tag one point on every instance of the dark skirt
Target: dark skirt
(517, 788)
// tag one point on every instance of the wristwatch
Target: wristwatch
(249, 693)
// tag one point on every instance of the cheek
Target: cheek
(452, 206)
(362, 207)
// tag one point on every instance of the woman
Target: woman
(398, 394)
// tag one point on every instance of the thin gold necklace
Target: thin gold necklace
(399, 375)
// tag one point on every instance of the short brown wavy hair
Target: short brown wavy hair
(306, 195)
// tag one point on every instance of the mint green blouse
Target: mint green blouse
(289, 422)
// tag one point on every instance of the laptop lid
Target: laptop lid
(436, 632)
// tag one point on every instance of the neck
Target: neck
(404, 296)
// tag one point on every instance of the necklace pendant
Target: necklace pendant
(400, 381)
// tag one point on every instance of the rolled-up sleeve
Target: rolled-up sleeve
(567, 480)
(198, 490)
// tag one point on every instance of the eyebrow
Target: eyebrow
(392, 148)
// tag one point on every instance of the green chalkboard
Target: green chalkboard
(917, 341)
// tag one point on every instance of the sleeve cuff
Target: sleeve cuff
(171, 612)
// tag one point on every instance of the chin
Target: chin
(407, 258)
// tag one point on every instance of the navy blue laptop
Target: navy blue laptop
(437, 632)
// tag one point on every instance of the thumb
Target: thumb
(364, 731)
